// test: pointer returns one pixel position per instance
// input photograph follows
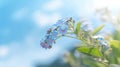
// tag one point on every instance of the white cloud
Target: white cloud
(53, 5)
(3, 51)
(83, 8)
(88, 8)
(19, 14)
(43, 19)
(27, 57)
(111, 4)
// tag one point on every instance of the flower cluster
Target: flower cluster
(65, 26)
(85, 34)
(59, 29)
(101, 41)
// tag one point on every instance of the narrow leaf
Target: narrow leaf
(78, 27)
(115, 44)
(99, 28)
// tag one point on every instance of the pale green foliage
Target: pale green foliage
(97, 29)
(93, 51)
(93, 55)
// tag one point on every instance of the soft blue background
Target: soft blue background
(23, 24)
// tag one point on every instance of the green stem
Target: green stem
(72, 37)
(77, 39)
(70, 33)
(72, 26)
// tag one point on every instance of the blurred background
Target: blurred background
(23, 24)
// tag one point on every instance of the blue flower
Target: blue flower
(44, 45)
(61, 22)
(54, 34)
(63, 29)
(104, 43)
(50, 40)
(49, 31)
(100, 38)
(47, 41)
(101, 41)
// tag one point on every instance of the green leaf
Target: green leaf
(99, 28)
(89, 62)
(93, 51)
(78, 27)
(115, 44)
(116, 35)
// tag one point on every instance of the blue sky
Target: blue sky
(23, 24)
